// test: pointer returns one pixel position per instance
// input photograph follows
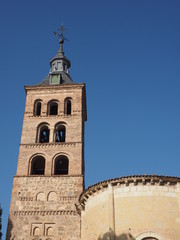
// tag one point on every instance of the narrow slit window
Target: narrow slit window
(67, 106)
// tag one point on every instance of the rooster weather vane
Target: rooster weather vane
(60, 35)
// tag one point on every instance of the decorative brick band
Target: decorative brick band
(45, 213)
(50, 145)
(68, 199)
(62, 199)
(25, 199)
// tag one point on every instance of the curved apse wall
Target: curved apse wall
(140, 207)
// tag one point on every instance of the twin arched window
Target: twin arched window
(52, 107)
(61, 165)
(43, 133)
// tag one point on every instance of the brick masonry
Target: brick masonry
(44, 207)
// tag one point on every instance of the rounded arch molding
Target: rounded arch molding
(60, 123)
(150, 234)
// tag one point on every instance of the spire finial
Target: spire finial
(61, 36)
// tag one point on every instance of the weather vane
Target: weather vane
(60, 35)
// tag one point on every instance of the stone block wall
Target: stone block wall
(45, 207)
(144, 208)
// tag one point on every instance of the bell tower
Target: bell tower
(50, 171)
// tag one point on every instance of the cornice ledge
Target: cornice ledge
(126, 181)
(60, 86)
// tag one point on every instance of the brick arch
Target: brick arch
(58, 126)
(39, 128)
(31, 159)
(66, 161)
(60, 123)
(37, 107)
(54, 158)
(50, 105)
(150, 234)
(68, 106)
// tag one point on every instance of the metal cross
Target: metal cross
(60, 35)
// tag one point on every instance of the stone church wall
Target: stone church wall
(138, 209)
(45, 207)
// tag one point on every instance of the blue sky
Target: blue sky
(127, 53)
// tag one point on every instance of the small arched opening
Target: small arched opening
(61, 165)
(44, 134)
(60, 133)
(37, 108)
(38, 165)
(68, 106)
(53, 108)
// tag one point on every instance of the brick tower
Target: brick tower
(50, 171)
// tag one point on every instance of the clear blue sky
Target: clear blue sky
(127, 53)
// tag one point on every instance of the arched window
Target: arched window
(60, 133)
(37, 108)
(61, 165)
(44, 134)
(53, 108)
(38, 165)
(68, 106)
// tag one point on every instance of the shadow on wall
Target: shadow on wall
(110, 235)
(9, 230)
